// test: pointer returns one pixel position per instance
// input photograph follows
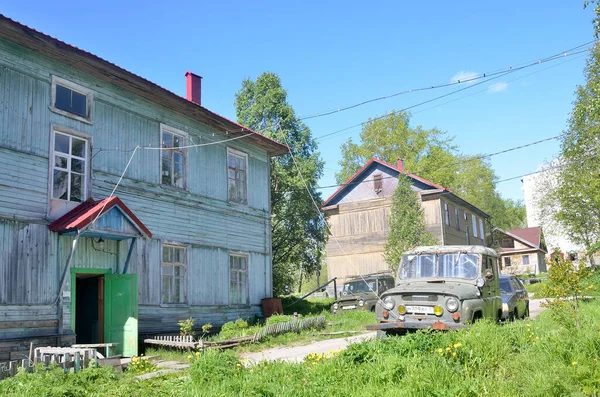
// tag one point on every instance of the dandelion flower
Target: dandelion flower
(448, 349)
(440, 350)
(457, 345)
(528, 325)
(453, 354)
(574, 363)
(189, 356)
(197, 353)
(238, 365)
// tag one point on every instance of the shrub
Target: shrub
(567, 286)
(232, 329)
(186, 327)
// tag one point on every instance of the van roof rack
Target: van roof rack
(379, 273)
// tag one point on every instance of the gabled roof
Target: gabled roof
(531, 236)
(350, 182)
(85, 213)
(115, 75)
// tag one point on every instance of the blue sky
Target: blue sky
(333, 54)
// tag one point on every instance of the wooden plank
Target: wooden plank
(28, 324)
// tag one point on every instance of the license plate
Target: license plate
(419, 309)
(350, 307)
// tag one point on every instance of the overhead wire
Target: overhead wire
(322, 137)
(448, 84)
(470, 159)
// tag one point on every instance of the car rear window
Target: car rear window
(505, 287)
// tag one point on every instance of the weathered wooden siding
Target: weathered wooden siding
(198, 217)
(454, 235)
(363, 188)
(28, 264)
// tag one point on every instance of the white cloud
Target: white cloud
(462, 76)
(498, 87)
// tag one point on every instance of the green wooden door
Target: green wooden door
(121, 312)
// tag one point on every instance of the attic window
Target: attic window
(378, 183)
(70, 99)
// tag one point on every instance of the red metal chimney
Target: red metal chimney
(193, 88)
(400, 164)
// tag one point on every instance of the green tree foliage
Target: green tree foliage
(431, 154)
(298, 233)
(577, 195)
(567, 284)
(596, 20)
(407, 224)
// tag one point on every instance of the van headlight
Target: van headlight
(452, 304)
(389, 303)
(361, 302)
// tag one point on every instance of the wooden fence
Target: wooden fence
(188, 342)
(63, 357)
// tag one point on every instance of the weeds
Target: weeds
(531, 358)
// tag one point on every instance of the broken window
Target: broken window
(238, 279)
(237, 164)
(173, 274)
(69, 166)
(172, 158)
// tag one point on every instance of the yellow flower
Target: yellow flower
(189, 356)
(528, 325)
(574, 363)
(457, 345)
(537, 337)
(447, 349)
(453, 354)
(238, 365)
(440, 350)
(197, 353)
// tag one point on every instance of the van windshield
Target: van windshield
(454, 265)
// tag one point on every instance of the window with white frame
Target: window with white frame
(173, 274)
(474, 219)
(525, 259)
(237, 167)
(71, 99)
(173, 157)
(481, 233)
(69, 167)
(238, 279)
(447, 213)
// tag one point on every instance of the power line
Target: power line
(448, 94)
(458, 162)
(443, 85)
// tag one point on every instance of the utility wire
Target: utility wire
(483, 156)
(443, 85)
(447, 94)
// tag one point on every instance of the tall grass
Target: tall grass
(523, 358)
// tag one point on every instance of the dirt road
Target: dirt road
(298, 353)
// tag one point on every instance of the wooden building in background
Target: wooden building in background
(521, 251)
(359, 214)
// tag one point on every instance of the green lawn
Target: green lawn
(523, 358)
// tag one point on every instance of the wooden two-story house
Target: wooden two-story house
(521, 251)
(359, 214)
(123, 207)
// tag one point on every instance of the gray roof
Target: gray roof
(446, 249)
